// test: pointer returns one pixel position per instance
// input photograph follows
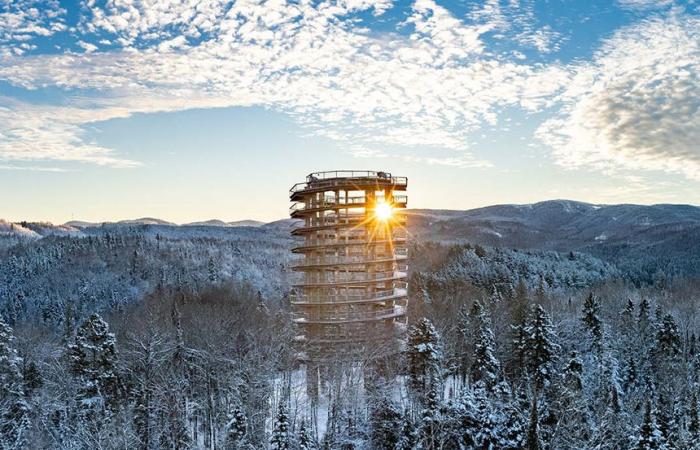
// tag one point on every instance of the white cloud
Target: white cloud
(636, 105)
(645, 4)
(307, 59)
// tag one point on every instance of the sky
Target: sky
(200, 109)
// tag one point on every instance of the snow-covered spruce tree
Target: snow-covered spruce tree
(465, 325)
(485, 366)
(424, 354)
(612, 432)
(592, 322)
(512, 425)
(236, 427)
(518, 309)
(14, 410)
(667, 422)
(92, 358)
(570, 408)
(429, 435)
(281, 435)
(533, 431)
(213, 271)
(540, 347)
(305, 439)
(668, 338)
(644, 321)
(489, 418)
(407, 434)
(495, 297)
(649, 435)
(32, 378)
(694, 420)
(627, 317)
(385, 423)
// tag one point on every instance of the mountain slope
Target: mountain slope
(644, 240)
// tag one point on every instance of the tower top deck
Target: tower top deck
(341, 179)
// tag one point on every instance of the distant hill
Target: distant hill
(221, 223)
(645, 241)
(649, 241)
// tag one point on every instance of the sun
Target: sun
(383, 211)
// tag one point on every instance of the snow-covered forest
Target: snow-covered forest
(155, 337)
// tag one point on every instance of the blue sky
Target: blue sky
(213, 109)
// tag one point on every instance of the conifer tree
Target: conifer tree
(14, 410)
(694, 419)
(32, 378)
(407, 435)
(570, 408)
(533, 432)
(485, 366)
(429, 426)
(385, 423)
(306, 441)
(236, 428)
(495, 297)
(643, 319)
(650, 438)
(92, 357)
(627, 316)
(668, 338)
(281, 439)
(541, 348)
(666, 421)
(424, 354)
(592, 321)
(212, 270)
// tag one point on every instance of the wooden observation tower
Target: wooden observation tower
(350, 300)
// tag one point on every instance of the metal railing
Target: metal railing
(330, 299)
(342, 278)
(357, 240)
(350, 315)
(341, 177)
(399, 254)
(331, 202)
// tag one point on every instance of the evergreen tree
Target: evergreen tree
(627, 316)
(385, 424)
(424, 355)
(92, 359)
(650, 438)
(407, 434)
(32, 378)
(666, 421)
(485, 366)
(281, 439)
(612, 432)
(592, 321)
(212, 270)
(236, 428)
(14, 410)
(694, 419)
(570, 408)
(430, 419)
(533, 432)
(668, 338)
(306, 441)
(573, 372)
(540, 347)
(495, 297)
(643, 319)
